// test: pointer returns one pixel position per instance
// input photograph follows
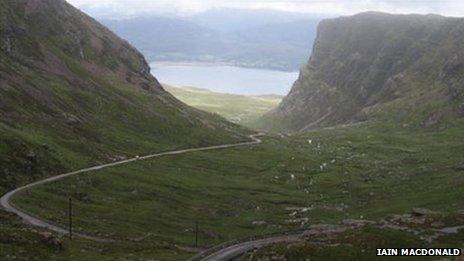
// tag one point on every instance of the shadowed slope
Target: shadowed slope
(373, 66)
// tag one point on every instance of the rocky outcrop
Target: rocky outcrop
(369, 65)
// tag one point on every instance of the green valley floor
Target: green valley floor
(240, 109)
(149, 208)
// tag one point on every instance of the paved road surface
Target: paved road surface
(5, 201)
(241, 248)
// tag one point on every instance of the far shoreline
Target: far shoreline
(214, 64)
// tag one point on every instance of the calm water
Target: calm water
(228, 79)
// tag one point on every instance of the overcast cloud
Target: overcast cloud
(345, 7)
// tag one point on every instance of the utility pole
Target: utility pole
(343, 166)
(196, 233)
(70, 218)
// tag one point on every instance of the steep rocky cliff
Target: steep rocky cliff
(406, 69)
(72, 94)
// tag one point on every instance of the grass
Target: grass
(240, 109)
(114, 119)
(143, 124)
(71, 96)
(356, 172)
(72, 104)
(74, 99)
(351, 245)
(358, 244)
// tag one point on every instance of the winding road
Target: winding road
(5, 200)
(233, 251)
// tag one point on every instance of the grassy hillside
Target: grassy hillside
(73, 94)
(360, 172)
(240, 109)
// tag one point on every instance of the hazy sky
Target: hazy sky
(131, 7)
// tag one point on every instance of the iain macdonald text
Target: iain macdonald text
(418, 252)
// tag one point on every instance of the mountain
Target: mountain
(73, 94)
(404, 69)
(234, 19)
(279, 43)
(168, 38)
(281, 46)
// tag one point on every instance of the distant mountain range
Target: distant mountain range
(257, 39)
(232, 20)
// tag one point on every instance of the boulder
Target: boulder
(50, 239)
(259, 223)
(460, 215)
(419, 212)
(72, 119)
(459, 167)
(431, 120)
(357, 222)
(324, 230)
